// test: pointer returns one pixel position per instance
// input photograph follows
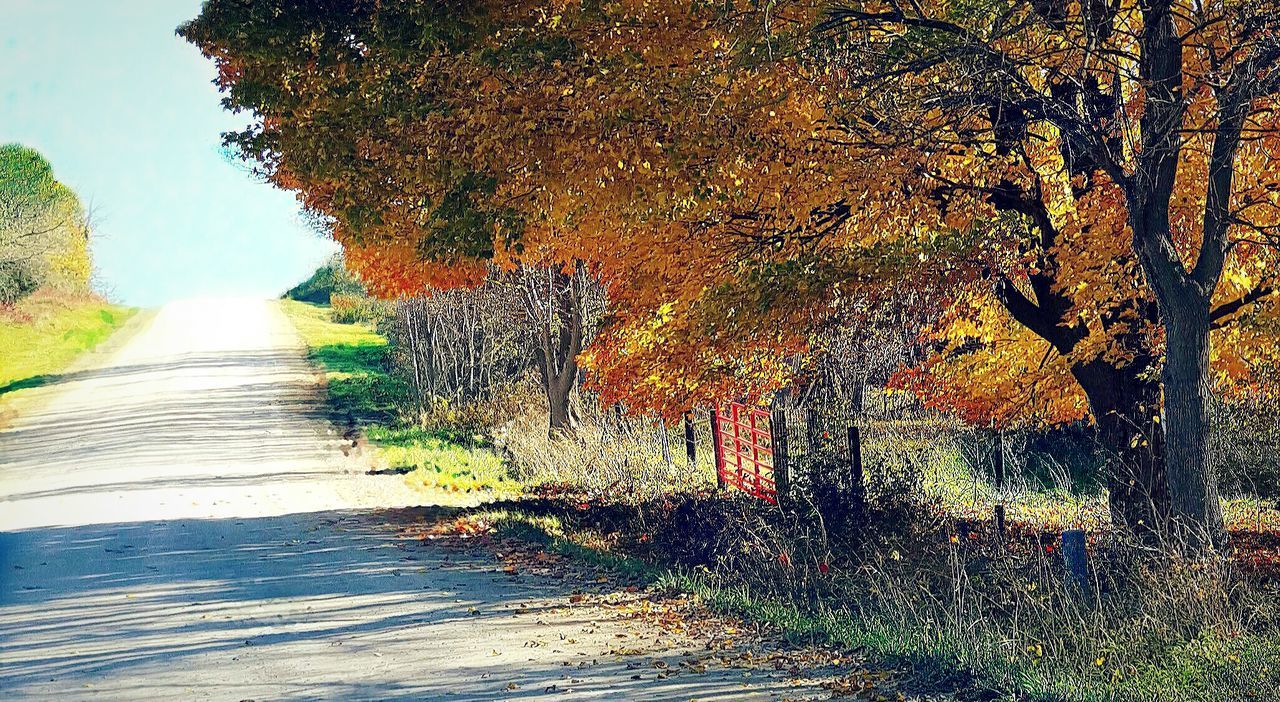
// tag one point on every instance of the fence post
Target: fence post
(781, 455)
(812, 431)
(1075, 557)
(999, 466)
(690, 444)
(717, 448)
(855, 468)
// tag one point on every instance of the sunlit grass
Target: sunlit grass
(361, 387)
(434, 462)
(43, 334)
(354, 360)
(318, 329)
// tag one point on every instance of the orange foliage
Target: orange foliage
(396, 271)
(712, 169)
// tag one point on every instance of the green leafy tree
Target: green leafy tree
(44, 229)
(328, 280)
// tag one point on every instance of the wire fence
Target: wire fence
(901, 448)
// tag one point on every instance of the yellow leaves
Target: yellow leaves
(995, 371)
(633, 148)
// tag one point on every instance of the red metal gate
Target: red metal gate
(744, 447)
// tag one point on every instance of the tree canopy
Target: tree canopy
(1069, 197)
(44, 231)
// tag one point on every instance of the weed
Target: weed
(603, 456)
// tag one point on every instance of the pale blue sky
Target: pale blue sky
(126, 113)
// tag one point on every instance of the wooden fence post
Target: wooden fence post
(855, 468)
(999, 466)
(812, 431)
(717, 449)
(781, 457)
(690, 444)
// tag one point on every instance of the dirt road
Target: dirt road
(178, 522)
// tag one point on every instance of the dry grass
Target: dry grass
(921, 581)
(604, 457)
(972, 616)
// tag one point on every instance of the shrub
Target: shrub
(44, 229)
(463, 345)
(355, 309)
(17, 280)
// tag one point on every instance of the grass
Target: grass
(44, 333)
(975, 617)
(353, 358)
(363, 392)
(433, 461)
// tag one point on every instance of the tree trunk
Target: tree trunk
(1196, 513)
(1125, 403)
(554, 302)
(1124, 398)
(564, 419)
(1185, 302)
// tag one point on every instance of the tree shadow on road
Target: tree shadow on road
(205, 420)
(188, 362)
(371, 613)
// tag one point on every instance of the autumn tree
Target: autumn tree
(1139, 132)
(358, 108)
(740, 177)
(996, 154)
(569, 138)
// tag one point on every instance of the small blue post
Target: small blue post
(1075, 558)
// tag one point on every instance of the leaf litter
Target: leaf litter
(665, 634)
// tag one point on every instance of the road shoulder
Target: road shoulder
(18, 402)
